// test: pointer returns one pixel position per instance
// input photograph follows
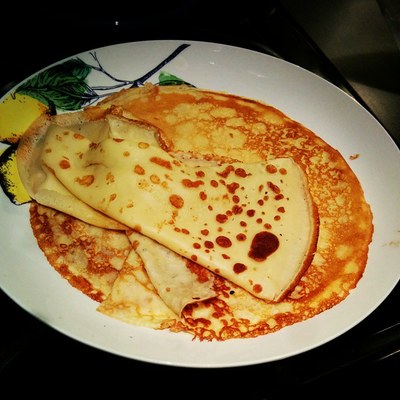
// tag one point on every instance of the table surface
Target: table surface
(360, 43)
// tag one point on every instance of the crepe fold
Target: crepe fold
(254, 224)
(154, 286)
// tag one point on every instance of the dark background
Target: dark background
(348, 42)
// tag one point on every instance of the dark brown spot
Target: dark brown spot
(176, 200)
(86, 180)
(273, 187)
(257, 288)
(271, 168)
(226, 171)
(214, 183)
(191, 184)
(208, 244)
(64, 164)
(221, 218)
(239, 268)
(241, 237)
(159, 161)
(139, 170)
(241, 172)
(263, 245)
(232, 187)
(223, 241)
(237, 209)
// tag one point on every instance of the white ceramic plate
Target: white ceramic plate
(27, 278)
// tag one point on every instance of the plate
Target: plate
(336, 117)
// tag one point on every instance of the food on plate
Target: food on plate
(240, 220)
(89, 257)
(167, 285)
(40, 182)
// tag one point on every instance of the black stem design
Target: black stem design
(120, 85)
(101, 69)
(141, 80)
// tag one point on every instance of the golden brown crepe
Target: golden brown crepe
(202, 131)
(103, 264)
(174, 281)
(89, 257)
(240, 220)
(208, 123)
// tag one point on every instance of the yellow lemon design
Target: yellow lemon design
(10, 180)
(17, 112)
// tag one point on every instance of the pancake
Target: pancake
(205, 130)
(157, 297)
(40, 182)
(240, 220)
(89, 257)
(107, 265)
(174, 281)
(212, 124)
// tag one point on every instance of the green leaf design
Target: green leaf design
(167, 79)
(62, 86)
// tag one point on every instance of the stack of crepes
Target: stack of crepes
(196, 211)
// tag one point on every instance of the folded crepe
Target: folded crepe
(132, 277)
(42, 185)
(175, 282)
(253, 223)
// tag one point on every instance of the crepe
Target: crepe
(174, 281)
(208, 131)
(103, 264)
(89, 257)
(243, 221)
(40, 182)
